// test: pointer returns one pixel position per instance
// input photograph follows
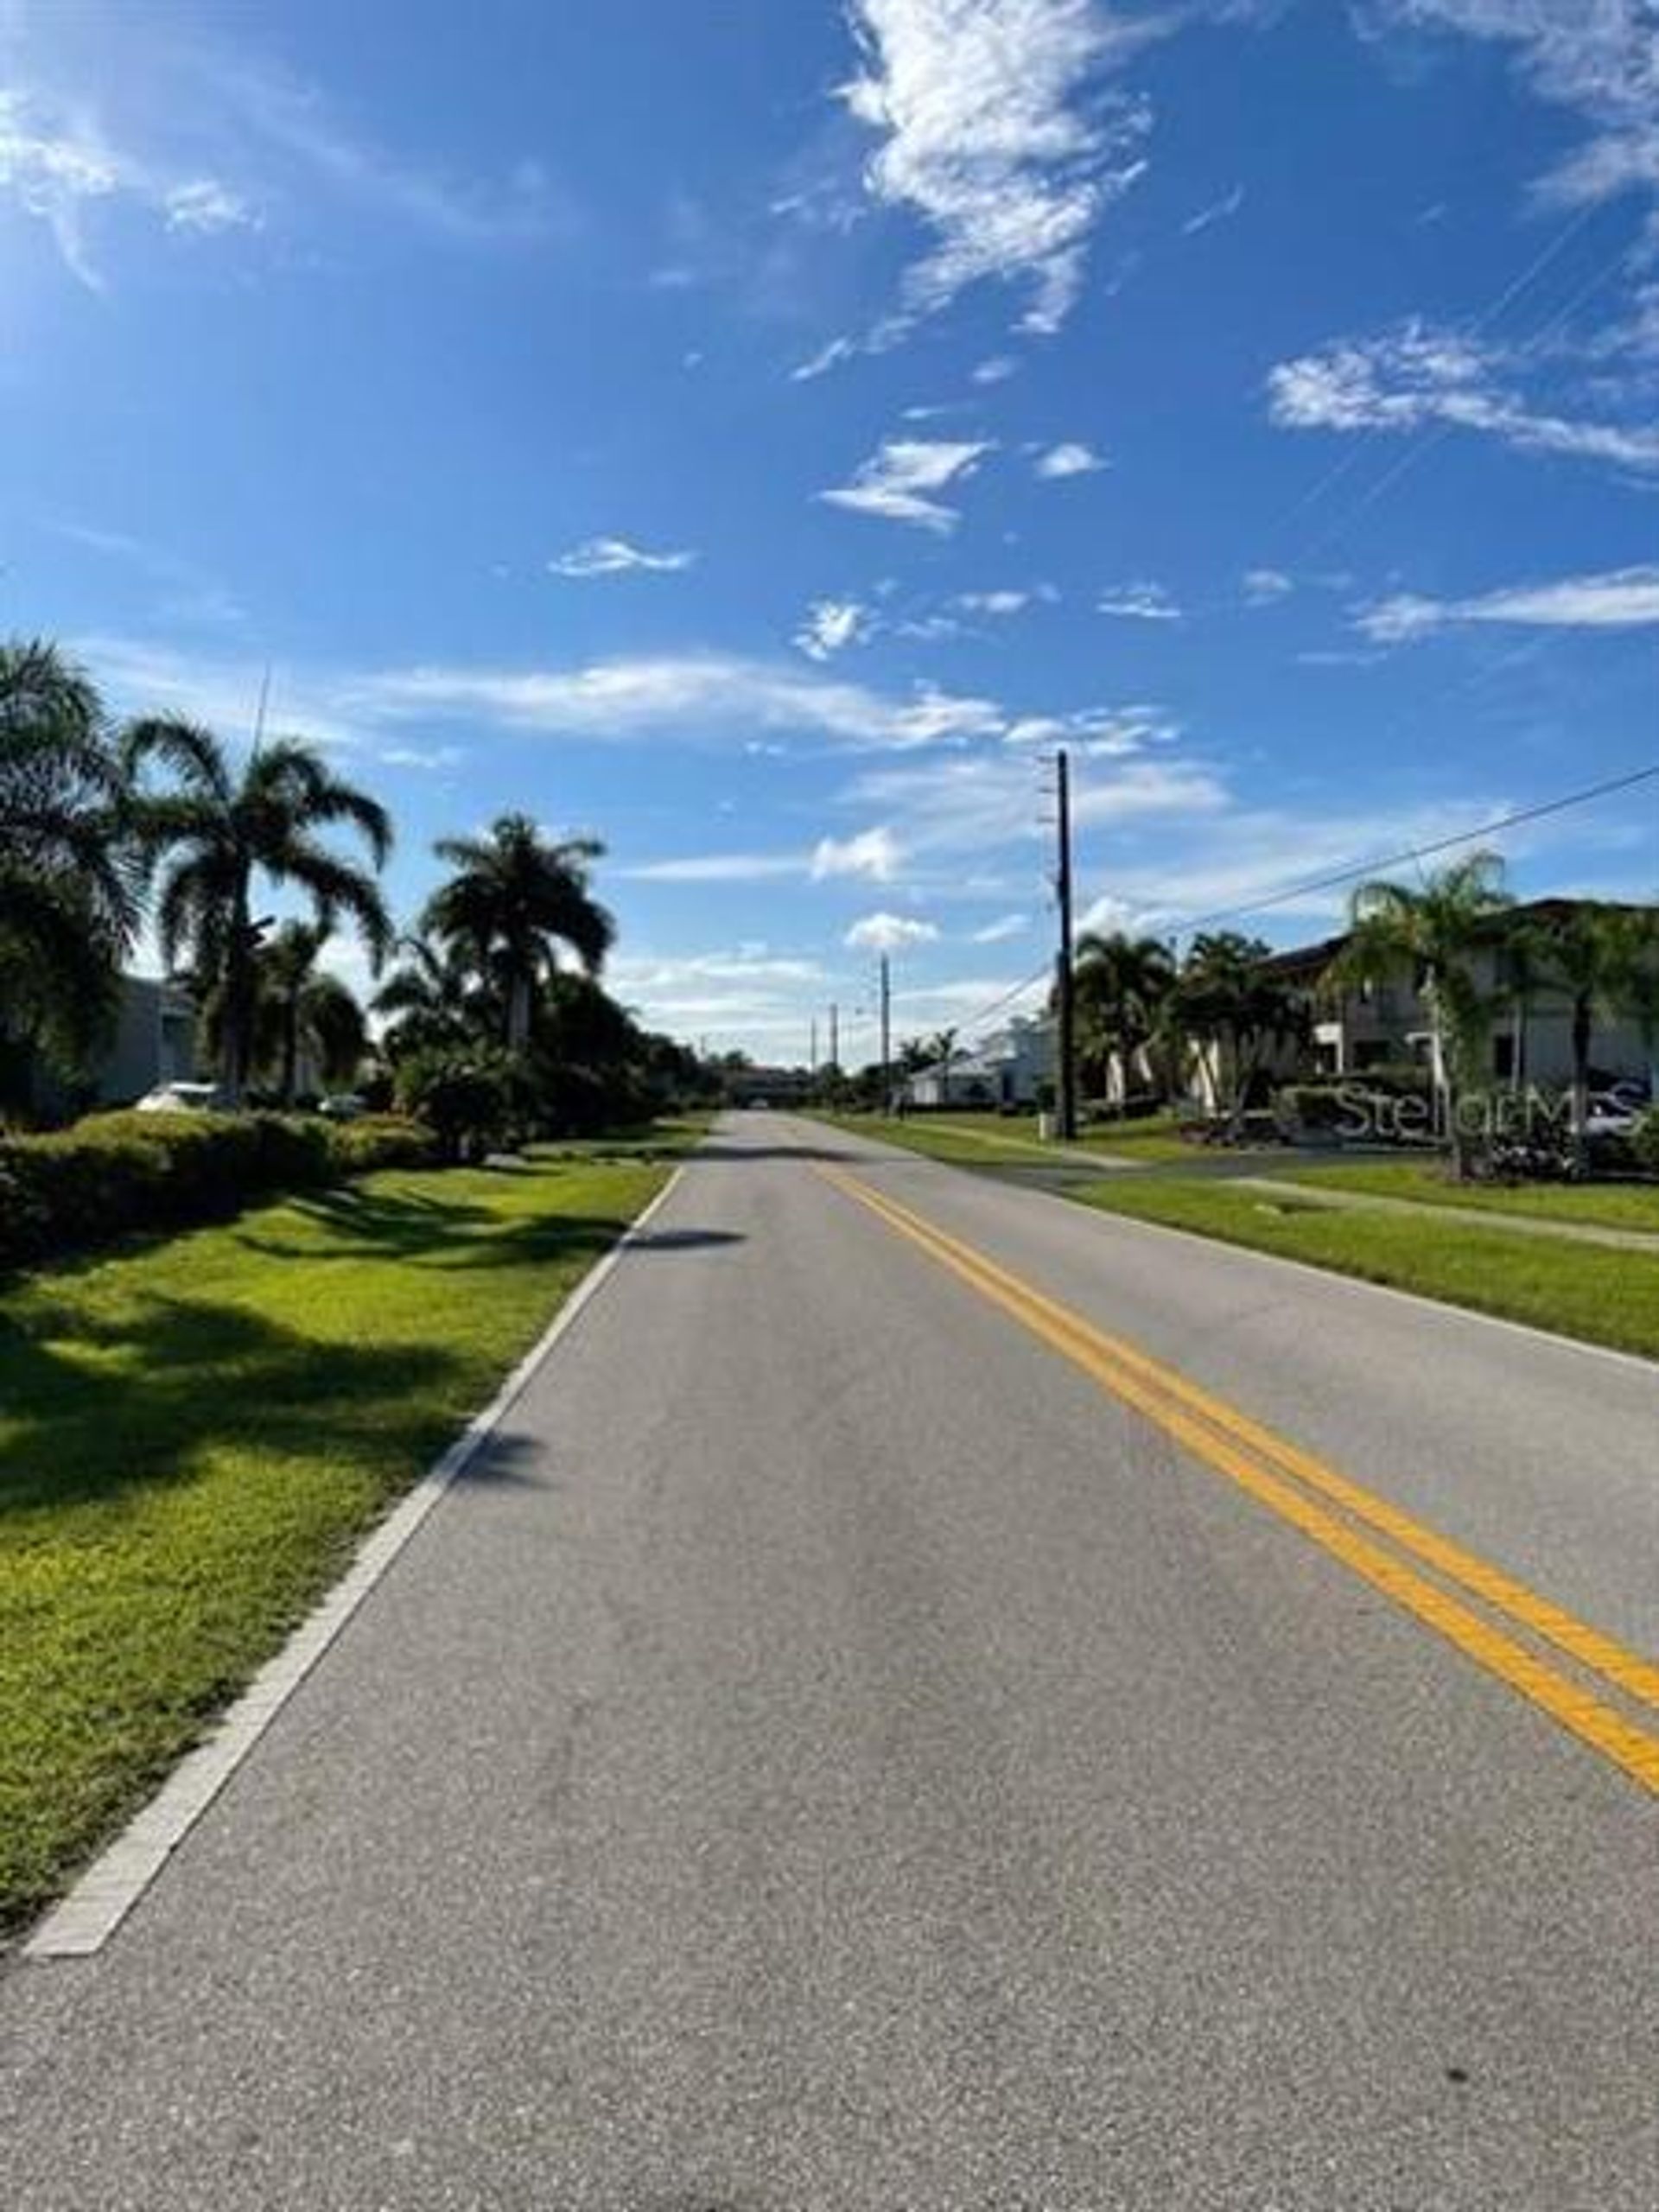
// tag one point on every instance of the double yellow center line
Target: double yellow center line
(1331, 1511)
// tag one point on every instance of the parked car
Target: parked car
(184, 1098)
(342, 1106)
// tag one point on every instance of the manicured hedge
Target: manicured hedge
(114, 1173)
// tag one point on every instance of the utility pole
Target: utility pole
(835, 1038)
(886, 1039)
(1067, 1087)
(812, 1056)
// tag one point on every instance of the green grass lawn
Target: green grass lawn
(1013, 1137)
(1607, 1297)
(1606, 1205)
(195, 1432)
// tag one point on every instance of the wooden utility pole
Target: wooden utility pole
(1065, 1098)
(835, 1038)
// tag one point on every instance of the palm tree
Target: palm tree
(1596, 953)
(223, 832)
(1121, 989)
(1228, 994)
(304, 1011)
(514, 899)
(69, 875)
(1523, 964)
(1431, 932)
(942, 1049)
(433, 999)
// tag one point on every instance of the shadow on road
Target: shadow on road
(682, 1240)
(715, 1148)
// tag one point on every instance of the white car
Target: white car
(183, 1098)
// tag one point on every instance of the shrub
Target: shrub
(376, 1141)
(1645, 1141)
(465, 1096)
(114, 1173)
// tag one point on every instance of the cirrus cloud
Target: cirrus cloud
(897, 482)
(998, 134)
(1619, 599)
(615, 556)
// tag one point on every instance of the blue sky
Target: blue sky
(758, 434)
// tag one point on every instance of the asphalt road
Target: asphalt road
(830, 1755)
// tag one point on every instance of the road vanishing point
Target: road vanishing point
(933, 1699)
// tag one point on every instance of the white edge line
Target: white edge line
(85, 1920)
(1557, 1339)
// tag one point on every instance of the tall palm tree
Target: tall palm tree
(514, 898)
(1121, 989)
(222, 829)
(1431, 932)
(1596, 954)
(70, 880)
(304, 1012)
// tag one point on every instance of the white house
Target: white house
(1007, 1067)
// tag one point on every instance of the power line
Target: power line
(1488, 315)
(1412, 853)
(1404, 463)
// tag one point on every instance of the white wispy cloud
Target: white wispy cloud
(1139, 603)
(615, 556)
(1597, 58)
(139, 677)
(999, 603)
(656, 972)
(883, 932)
(1262, 586)
(1619, 599)
(421, 756)
(724, 694)
(292, 124)
(203, 205)
(1106, 732)
(1071, 458)
(710, 699)
(1419, 374)
(829, 626)
(716, 868)
(874, 854)
(1219, 211)
(995, 370)
(998, 134)
(963, 804)
(58, 165)
(828, 356)
(999, 932)
(896, 483)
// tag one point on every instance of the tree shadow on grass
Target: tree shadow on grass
(429, 1232)
(94, 1410)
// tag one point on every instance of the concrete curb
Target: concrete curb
(116, 1881)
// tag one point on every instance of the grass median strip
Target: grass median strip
(194, 1434)
(1301, 1489)
(1602, 1296)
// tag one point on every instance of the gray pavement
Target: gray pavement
(827, 1756)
